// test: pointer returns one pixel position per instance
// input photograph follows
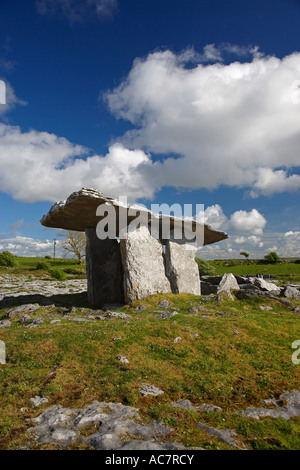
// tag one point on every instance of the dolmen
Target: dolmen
(132, 252)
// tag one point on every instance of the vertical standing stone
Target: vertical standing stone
(104, 270)
(2, 353)
(143, 264)
(181, 268)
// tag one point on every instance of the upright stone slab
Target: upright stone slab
(104, 270)
(2, 353)
(143, 264)
(181, 268)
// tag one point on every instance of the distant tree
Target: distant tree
(272, 257)
(74, 242)
(244, 253)
(206, 268)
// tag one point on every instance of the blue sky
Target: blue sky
(170, 101)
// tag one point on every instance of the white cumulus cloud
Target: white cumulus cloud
(235, 125)
(38, 166)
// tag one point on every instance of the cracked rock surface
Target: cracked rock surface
(119, 427)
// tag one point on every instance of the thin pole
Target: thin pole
(54, 243)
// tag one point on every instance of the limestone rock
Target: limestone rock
(143, 265)
(27, 308)
(265, 285)
(181, 268)
(291, 292)
(227, 283)
(5, 324)
(2, 353)
(79, 212)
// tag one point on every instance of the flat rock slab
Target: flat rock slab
(79, 212)
(119, 428)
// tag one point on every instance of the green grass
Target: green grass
(289, 272)
(73, 364)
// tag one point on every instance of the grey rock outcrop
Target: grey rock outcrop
(104, 270)
(2, 353)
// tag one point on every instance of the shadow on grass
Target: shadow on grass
(59, 300)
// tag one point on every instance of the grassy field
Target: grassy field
(231, 354)
(232, 360)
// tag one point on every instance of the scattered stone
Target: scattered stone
(27, 308)
(141, 308)
(210, 408)
(116, 339)
(177, 339)
(224, 434)
(37, 401)
(5, 324)
(265, 285)
(296, 309)
(223, 312)
(291, 292)
(150, 390)
(265, 307)
(63, 310)
(123, 359)
(117, 315)
(287, 406)
(166, 315)
(236, 332)
(52, 322)
(224, 295)
(35, 323)
(109, 307)
(143, 265)
(2, 353)
(79, 320)
(119, 428)
(72, 310)
(164, 303)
